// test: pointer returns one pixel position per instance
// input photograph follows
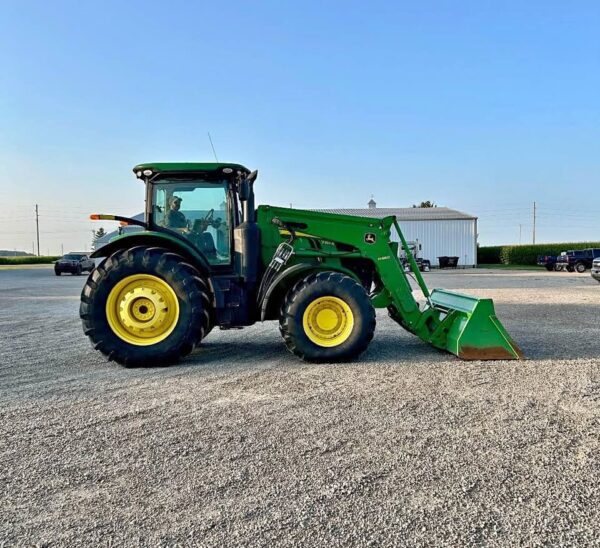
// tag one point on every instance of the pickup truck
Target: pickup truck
(578, 261)
(596, 270)
(547, 261)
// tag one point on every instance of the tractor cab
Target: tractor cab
(197, 201)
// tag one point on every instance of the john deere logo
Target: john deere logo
(370, 238)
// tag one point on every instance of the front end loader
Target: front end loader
(207, 257)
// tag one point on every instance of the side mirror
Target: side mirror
(244, 190)
(246, 186)
(252, 177)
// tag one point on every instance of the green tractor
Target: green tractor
(207, 257)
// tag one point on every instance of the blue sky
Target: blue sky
(480, 106)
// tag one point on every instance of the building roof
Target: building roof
(406, 213)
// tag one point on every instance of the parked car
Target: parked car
(578, 261)
(547, 261)
(596, 270)
(75, 263)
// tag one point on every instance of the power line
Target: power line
(21, 232)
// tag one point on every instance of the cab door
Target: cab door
(199, 211)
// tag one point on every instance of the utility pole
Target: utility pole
(520, 230)
(62, 250)
(533, 223)
(37, 228)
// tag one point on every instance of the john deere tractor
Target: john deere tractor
(206, 257)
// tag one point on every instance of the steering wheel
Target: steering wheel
(208, 219)
(201, 224)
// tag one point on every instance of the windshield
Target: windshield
(198, 210)
(72, 257)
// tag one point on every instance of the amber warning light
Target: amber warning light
(100, 217)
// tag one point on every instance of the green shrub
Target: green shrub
(28, 260)
(526, 254)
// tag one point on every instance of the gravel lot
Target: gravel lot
(244, 445)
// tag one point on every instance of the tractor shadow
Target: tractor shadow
(542, 331)
(261, 346)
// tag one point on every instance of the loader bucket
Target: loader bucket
(472, 330)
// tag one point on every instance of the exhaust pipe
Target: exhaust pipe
(246, 236)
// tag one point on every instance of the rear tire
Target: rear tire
(580, 267)
(175, 278)
(327, 317)
(570, 269)
(207, 306)
(549, 267)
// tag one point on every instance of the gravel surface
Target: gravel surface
(244, 445)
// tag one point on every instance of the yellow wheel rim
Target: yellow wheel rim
(328, 321)
(142, 309)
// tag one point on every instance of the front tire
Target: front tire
(327, 317)
(580, 267)
(145, 306)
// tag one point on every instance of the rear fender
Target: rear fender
(156, 239)
(269, 308)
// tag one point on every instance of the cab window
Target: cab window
(197, 210)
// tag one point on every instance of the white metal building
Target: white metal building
(440, 231)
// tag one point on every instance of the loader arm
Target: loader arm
(461, 324)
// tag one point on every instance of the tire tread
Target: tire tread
(347, 286)
(166, 265)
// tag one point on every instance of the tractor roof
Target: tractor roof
(189, 167)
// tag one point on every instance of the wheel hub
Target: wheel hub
(328, 321)
(142, 309)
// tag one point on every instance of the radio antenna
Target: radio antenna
(213, 147)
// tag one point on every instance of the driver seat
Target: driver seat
(206, 244)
